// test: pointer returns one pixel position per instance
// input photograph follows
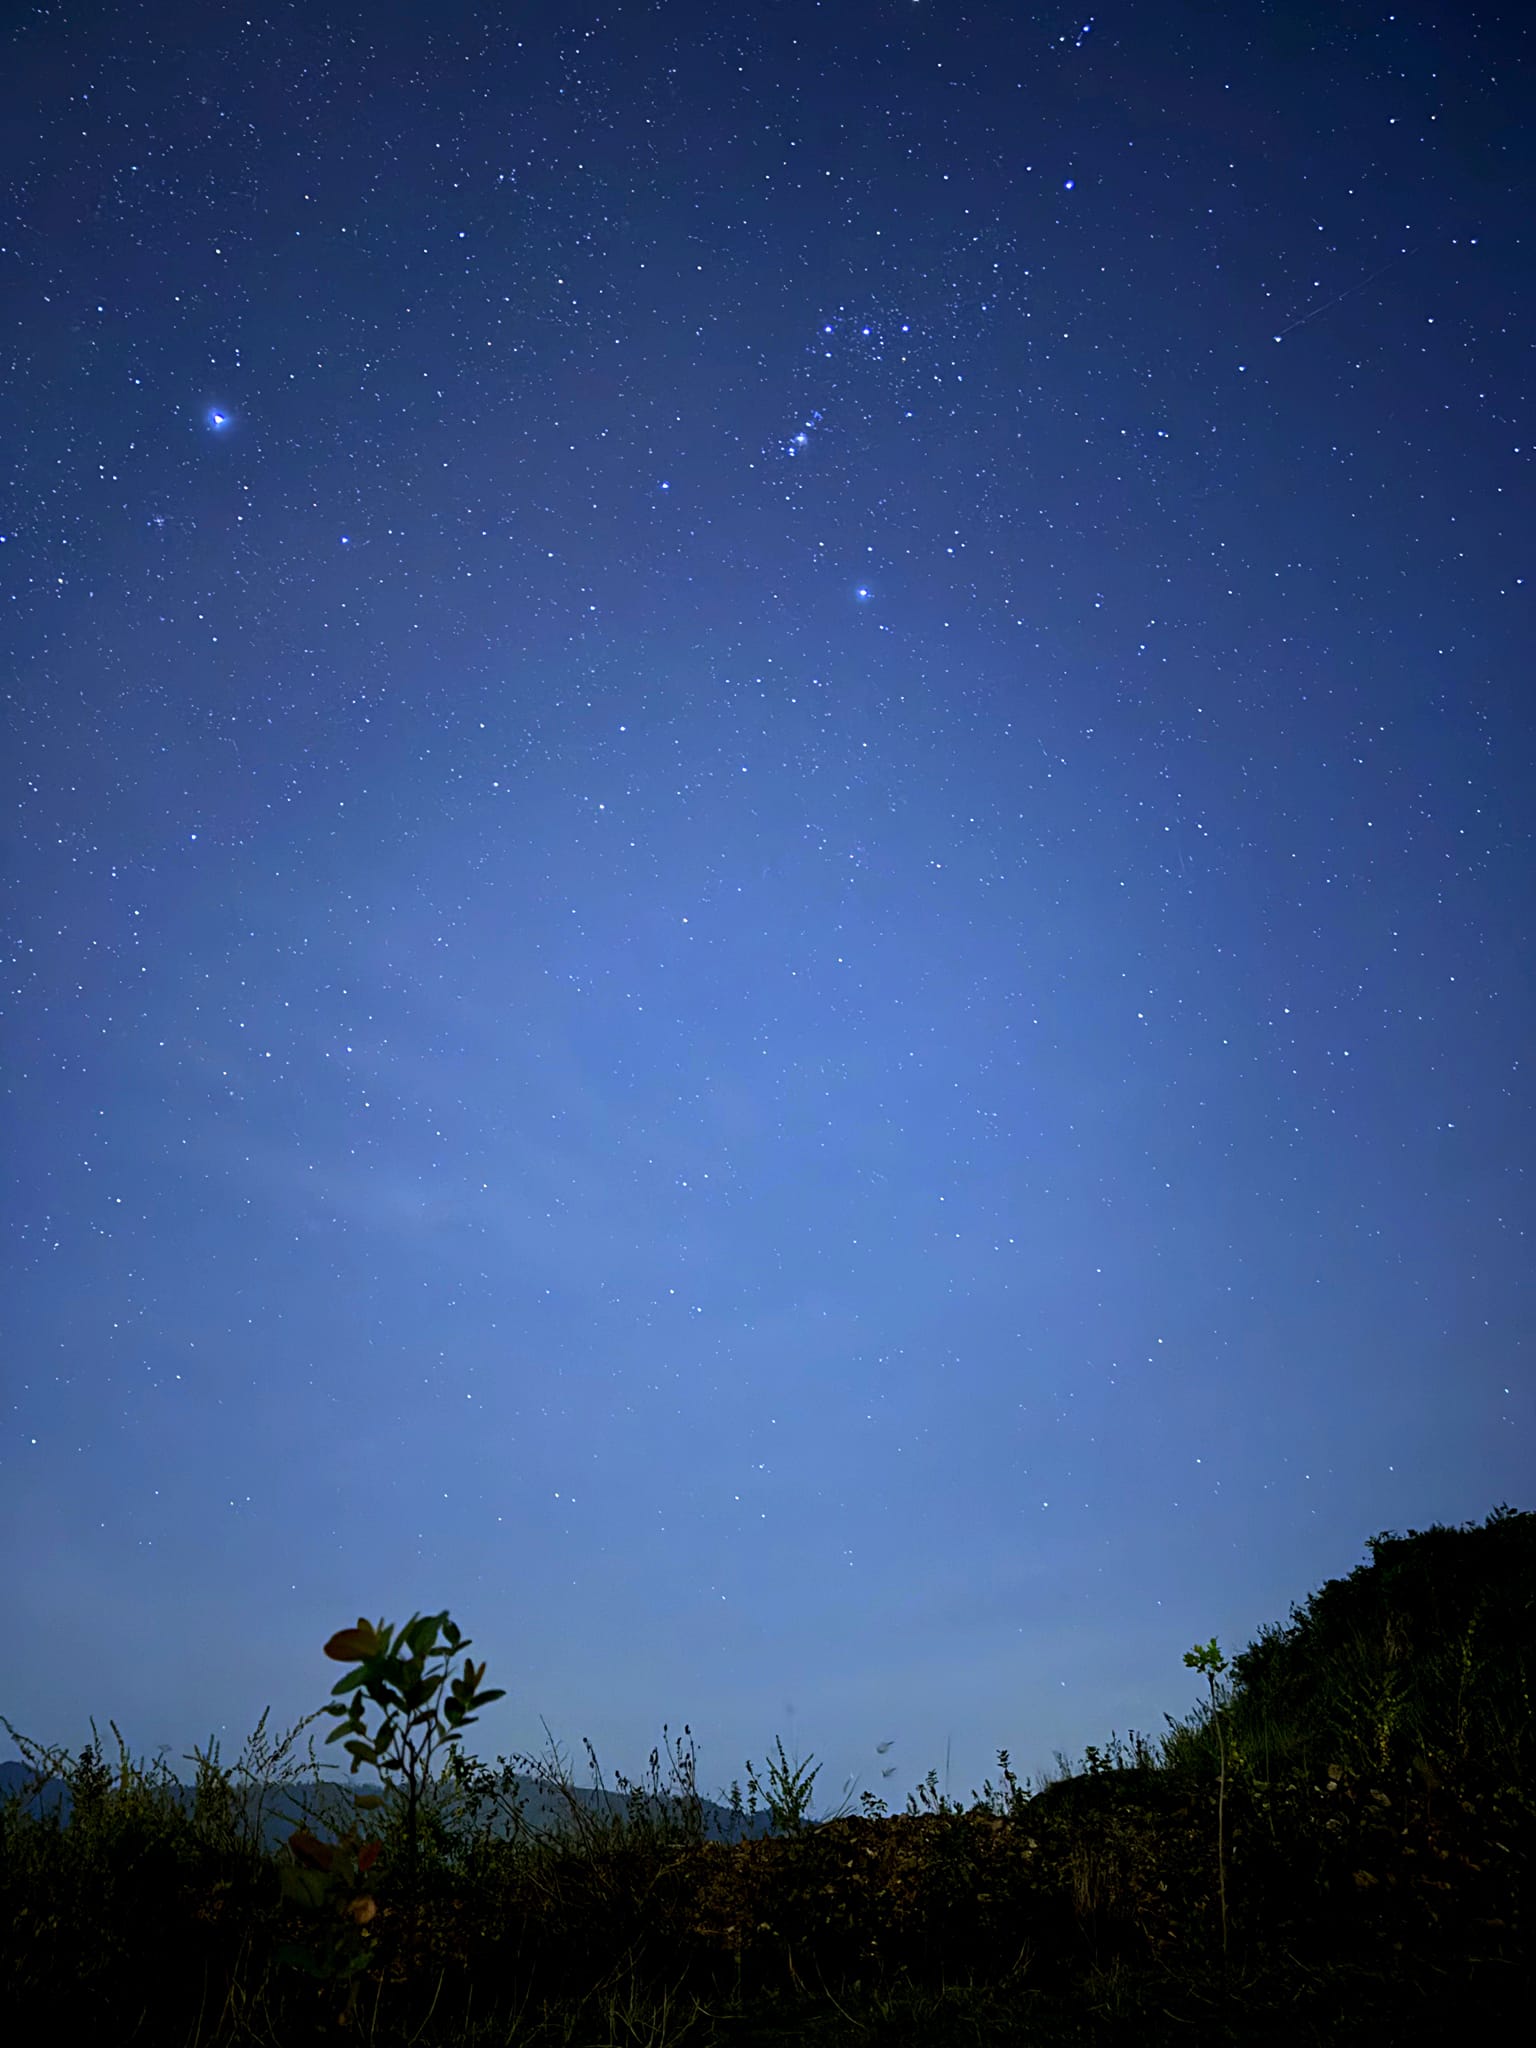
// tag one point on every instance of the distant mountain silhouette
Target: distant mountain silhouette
(284, 1806)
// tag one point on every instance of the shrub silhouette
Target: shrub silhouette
(1364, 1775)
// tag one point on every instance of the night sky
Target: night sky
(767, 857)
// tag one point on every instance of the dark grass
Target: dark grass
(1337, 1847)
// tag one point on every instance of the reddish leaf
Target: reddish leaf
(351, 1645)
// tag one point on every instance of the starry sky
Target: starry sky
(767, 855)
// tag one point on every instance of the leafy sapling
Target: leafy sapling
(400, 1685)
(332, 1874)
(1208, 1659)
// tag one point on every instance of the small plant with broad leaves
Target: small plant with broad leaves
(1207, 1658)
(331, 1877)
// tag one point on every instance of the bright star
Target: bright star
(217, 420)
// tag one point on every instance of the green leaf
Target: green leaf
(421, 1634)
(303, 1887)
